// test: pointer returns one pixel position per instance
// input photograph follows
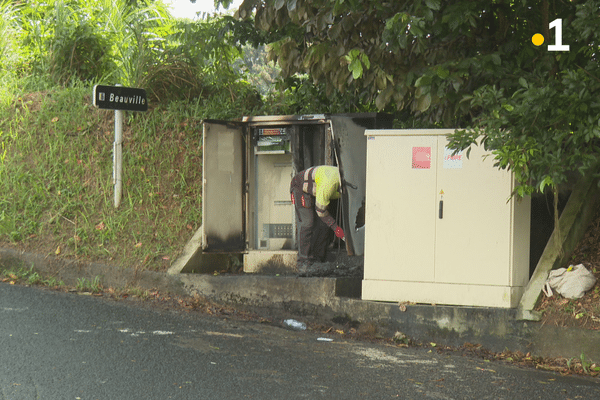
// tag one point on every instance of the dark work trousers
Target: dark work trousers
(313, 233)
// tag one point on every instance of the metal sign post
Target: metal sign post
(119, 98)
(118, 157)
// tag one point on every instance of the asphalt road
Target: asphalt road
(56, 345)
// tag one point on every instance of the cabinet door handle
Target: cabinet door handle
(441, 209)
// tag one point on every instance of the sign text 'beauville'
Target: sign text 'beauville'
(120, 98)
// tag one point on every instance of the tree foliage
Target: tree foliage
(462, 63)
(131, 42)
(262, 73)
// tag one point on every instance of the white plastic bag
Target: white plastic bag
(571, 282)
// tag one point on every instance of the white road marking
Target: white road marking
(14, 309)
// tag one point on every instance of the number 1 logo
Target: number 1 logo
(538, 38)
(557, 46)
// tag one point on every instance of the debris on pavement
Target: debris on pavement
(292, 323)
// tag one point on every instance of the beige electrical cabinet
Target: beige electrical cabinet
(441, 228)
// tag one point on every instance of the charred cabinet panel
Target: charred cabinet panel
(351, 148)
(310, 146)
(223, 187)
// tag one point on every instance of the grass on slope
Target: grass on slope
(56, 191)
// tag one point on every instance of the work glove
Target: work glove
(339, 233)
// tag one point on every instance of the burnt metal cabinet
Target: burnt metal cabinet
(247, 169)
(441, 228)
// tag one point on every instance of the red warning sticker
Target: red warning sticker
(421, 157)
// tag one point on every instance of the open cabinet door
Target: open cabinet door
(351, 148)
(223, 187)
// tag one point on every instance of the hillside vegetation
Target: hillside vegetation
(56, 179)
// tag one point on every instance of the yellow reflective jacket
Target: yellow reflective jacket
(323, 182)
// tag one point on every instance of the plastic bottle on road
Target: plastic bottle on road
(292, 323)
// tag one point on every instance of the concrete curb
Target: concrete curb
(319, 299)
(323, 299)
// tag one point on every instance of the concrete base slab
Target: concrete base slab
(265, 291)
(271, 262)
(193, 260)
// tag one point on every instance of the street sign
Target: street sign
(120, 98)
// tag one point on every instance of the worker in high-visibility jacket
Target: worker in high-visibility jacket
(311, 191)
